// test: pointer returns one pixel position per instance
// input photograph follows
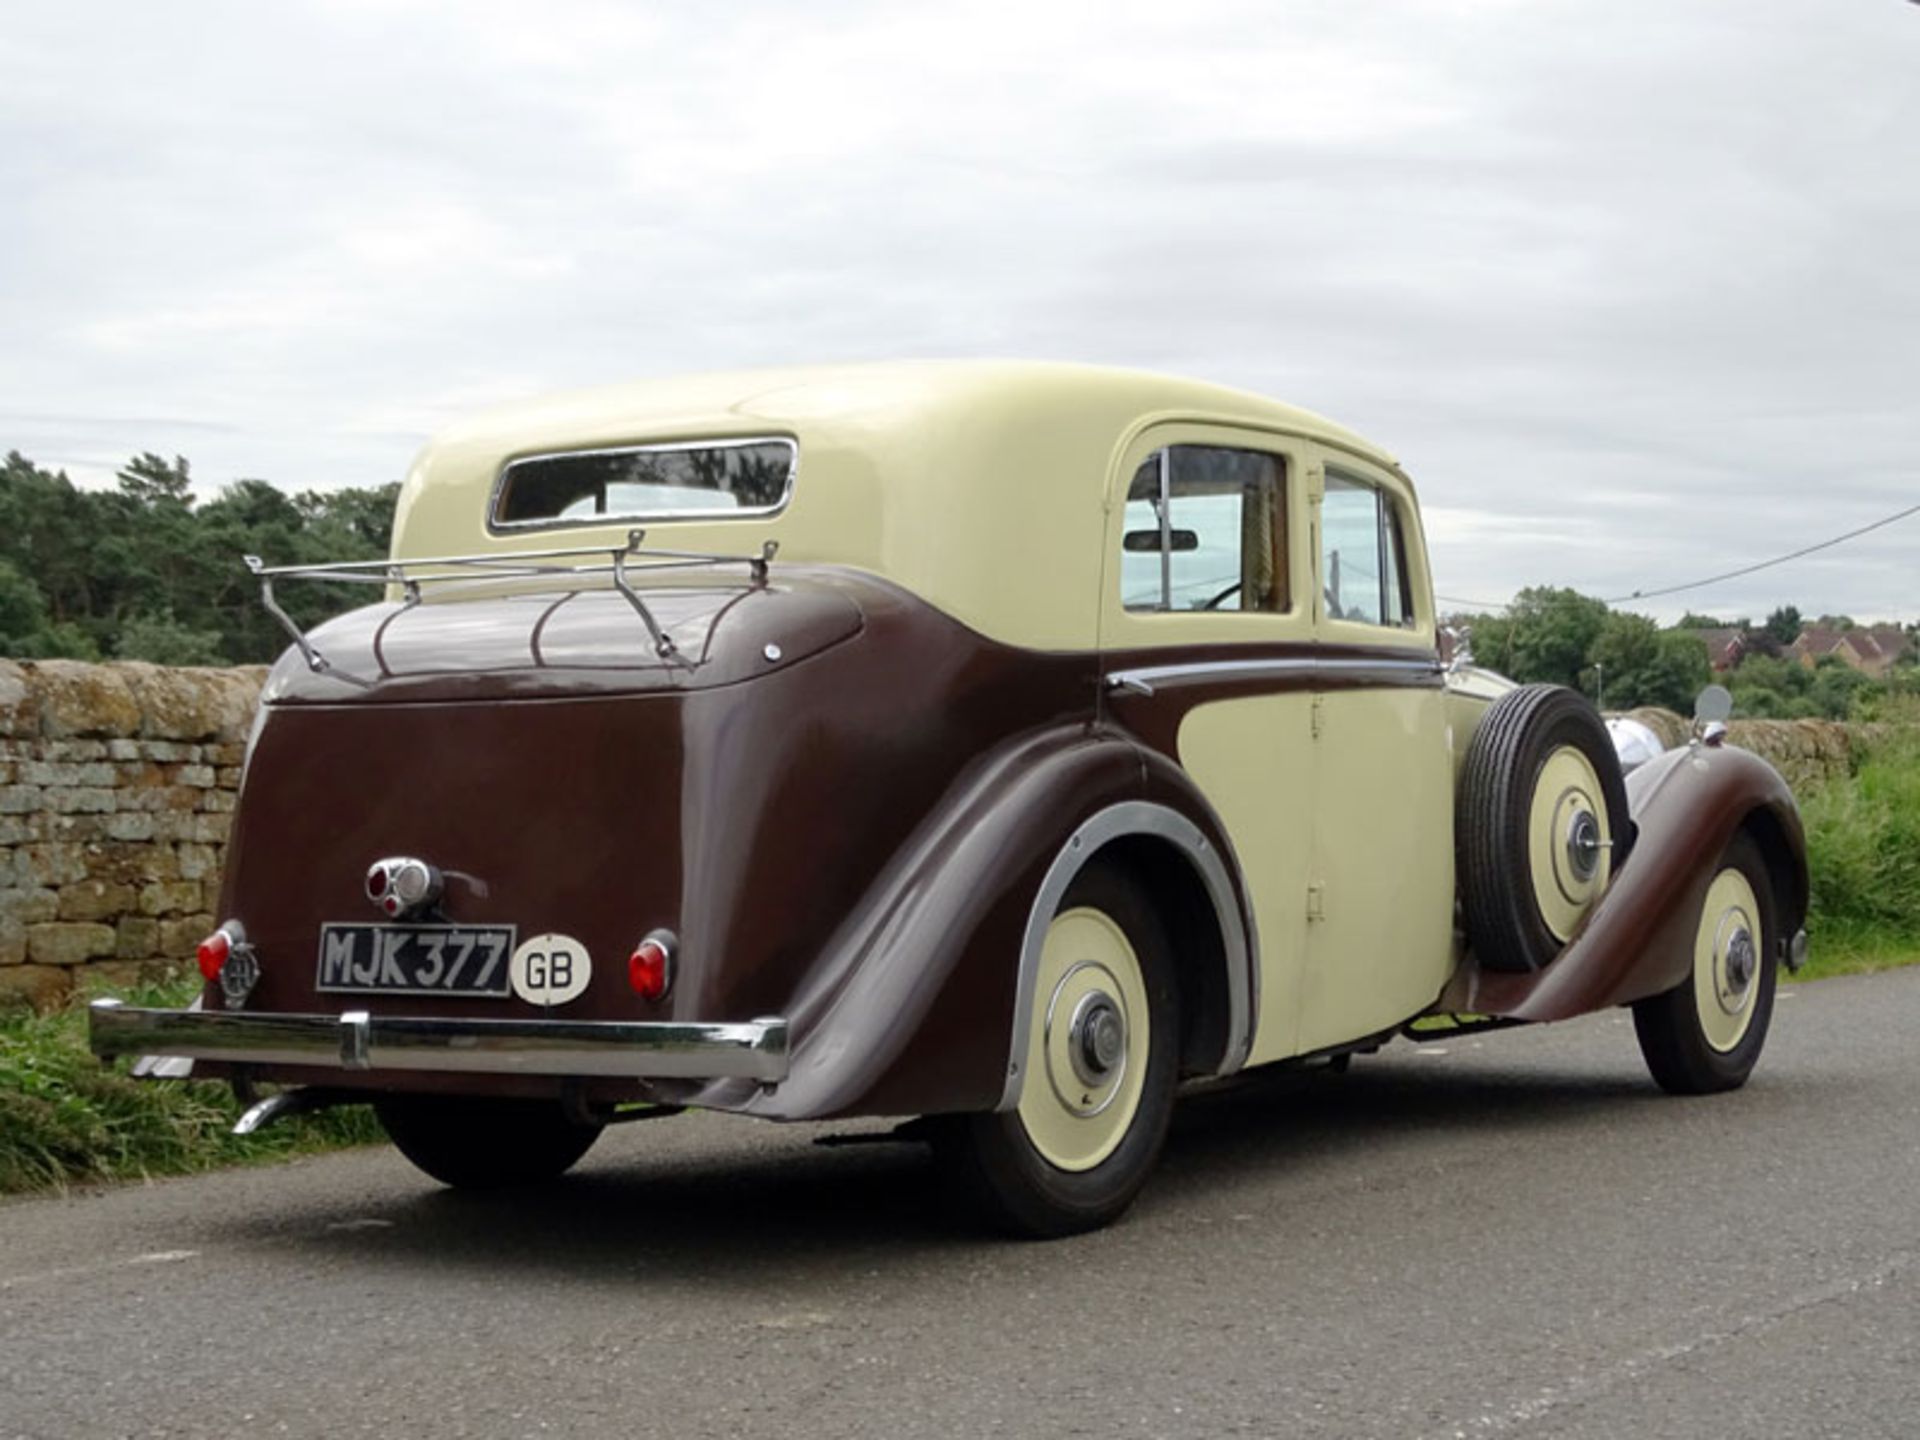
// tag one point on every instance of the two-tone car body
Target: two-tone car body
(1005, 743)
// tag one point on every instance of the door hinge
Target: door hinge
(1317, 900)
(1318, 713)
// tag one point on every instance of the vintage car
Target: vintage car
(1008, 745)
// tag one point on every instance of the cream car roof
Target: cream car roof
(978, 485)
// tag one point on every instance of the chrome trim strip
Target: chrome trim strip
(1241, 943)
(755, 1050)
(1144, 678)
(497, 526)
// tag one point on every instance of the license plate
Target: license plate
(415, 959)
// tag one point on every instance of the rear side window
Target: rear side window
(1206, 530)
(712, 479)
(1363, 558)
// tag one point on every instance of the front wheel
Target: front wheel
(479, 1144)
(1096, 1093)
(1705, 1034)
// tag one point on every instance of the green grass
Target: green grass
(1863, 856)
(65, 1118)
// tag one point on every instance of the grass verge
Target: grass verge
(66, 1118)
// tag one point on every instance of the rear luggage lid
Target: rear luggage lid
(584, 639)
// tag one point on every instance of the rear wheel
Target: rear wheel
(476, 1144)
(1102, 1048)
(1705, 1034)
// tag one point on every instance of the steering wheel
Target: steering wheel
(1215, 602)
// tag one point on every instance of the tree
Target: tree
(26, 631)
(1768, 689)
(144, 570)
(350, 523)
(1641, 664)
(148, 481)
(1783, 626)
(1544, 636)
(165, 641)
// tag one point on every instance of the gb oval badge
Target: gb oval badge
(550, 970)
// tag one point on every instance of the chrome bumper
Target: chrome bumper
(755, 1050)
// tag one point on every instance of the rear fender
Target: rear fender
(1639, 940)
(919, 1002)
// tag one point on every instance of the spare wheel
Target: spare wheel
(1540, 826)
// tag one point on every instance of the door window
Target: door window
(1363, 561)
(1206, 530)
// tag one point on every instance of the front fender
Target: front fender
(1638, 941)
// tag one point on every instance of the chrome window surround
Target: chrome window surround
(1240, 943)
(497, 526)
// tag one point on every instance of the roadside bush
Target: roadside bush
(1863, 852)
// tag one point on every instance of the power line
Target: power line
(1768, 564)
(1879, 524)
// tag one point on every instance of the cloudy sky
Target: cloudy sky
(1633, 287)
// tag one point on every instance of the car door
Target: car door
(1380, 872)
(1207, 637)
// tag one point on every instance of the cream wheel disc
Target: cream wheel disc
(1087, 1044)
(1727, 955)
(1569, 840)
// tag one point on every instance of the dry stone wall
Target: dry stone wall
(117, 786)
(1808, 753)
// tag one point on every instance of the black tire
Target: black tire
(1673, 1037)
(478, 1144)
(1504, 765)
(991, 1161)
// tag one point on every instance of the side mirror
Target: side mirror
(1713, 706)
(1138, 542)
(1710, 711)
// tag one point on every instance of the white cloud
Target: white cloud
(1628, 288)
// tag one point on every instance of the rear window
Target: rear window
(709, 479)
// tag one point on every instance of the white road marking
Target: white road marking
(156, 1257)
(1583, 1387)
(795, 1320)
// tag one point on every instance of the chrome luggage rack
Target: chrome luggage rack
(516, 565)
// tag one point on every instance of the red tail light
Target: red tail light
(650, 967)
(213, 953)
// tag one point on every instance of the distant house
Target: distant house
(1872, 649)
(1726, 646)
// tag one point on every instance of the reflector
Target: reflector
(650, 967)
(212, 954)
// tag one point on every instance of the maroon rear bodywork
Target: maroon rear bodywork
(834, 834)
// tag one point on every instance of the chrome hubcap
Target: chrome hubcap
(1583, 845)
(1096, 1037)
(1738, 960)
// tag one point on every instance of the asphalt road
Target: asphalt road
(1515, 1236)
